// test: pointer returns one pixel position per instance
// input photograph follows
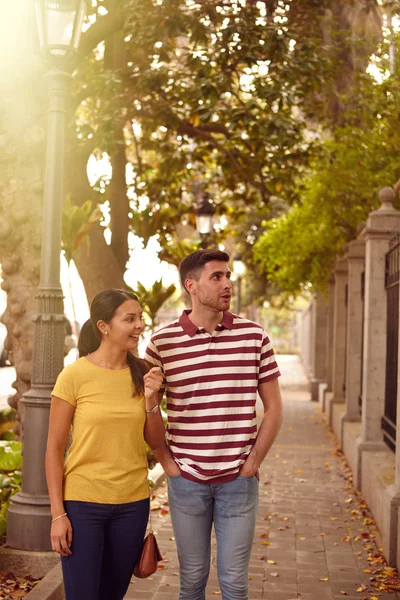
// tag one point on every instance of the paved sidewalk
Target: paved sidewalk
(315, 539)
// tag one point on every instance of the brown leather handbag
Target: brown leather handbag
(149, 558)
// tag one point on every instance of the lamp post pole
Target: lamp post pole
(238, 270)
(29, 520)
(29, 512)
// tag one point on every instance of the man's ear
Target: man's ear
(190, 285)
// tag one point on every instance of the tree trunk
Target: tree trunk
(96, 263)
(351, 22)
(100, 265)
(115, 60)
(20, 229)
(119, 203)
(22, 147)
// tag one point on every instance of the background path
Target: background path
(315, 539)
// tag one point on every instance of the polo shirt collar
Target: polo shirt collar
(191, 329)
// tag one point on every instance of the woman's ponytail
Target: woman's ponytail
(88, 340)
(138, 368)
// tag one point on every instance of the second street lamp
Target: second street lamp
(59, 25)
(204, 211)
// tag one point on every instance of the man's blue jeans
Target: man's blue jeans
(232, 507)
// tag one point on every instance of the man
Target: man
(214, 364)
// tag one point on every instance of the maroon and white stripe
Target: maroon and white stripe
(211, 383)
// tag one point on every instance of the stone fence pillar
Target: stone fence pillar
(339, 332)
(326, 391)
(381, 225)
(318, 341)
(373, 454)
(305, 336)
(356, 266)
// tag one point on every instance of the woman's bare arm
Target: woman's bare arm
(61, 414)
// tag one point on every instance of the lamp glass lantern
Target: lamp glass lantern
(60, 24)
(205, 211)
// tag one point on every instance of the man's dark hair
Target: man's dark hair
(193, 263)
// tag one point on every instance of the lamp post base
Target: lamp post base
(29, 520)
(29, 515)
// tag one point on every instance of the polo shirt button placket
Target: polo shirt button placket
(211, 347)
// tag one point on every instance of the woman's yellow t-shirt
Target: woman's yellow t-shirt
(106, 461)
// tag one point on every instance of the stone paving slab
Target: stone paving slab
(314, 538)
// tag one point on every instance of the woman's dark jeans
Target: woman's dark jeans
(107, 542)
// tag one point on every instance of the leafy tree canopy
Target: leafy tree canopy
(298, 249)
(211, 92)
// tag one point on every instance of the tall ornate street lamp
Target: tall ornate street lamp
(239, 269)
(204, 211)
(60, 24)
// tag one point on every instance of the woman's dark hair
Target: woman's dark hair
(103, 308)
(193, 263)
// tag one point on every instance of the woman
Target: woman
(100, 497)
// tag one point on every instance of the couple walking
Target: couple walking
(210, 364)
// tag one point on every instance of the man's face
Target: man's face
(214, 288)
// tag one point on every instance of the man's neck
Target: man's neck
(207, 319)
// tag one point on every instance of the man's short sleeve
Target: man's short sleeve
(268, 365)
(153, 357)
(65, 386)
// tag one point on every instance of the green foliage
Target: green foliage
(226, 79)
(213, 93)
(231, 95)
(173, 252)
(151, 300)
(77, 222)
(10, 455)
(298, 250)
(9, 436)
(10, 477)
(280, 322)
(246, 228)
(155, 220)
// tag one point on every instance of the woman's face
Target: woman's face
(126, 326)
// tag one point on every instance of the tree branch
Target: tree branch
(186, 128)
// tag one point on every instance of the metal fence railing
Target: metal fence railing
(392, 279)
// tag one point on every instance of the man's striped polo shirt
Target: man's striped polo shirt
(211, 388)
